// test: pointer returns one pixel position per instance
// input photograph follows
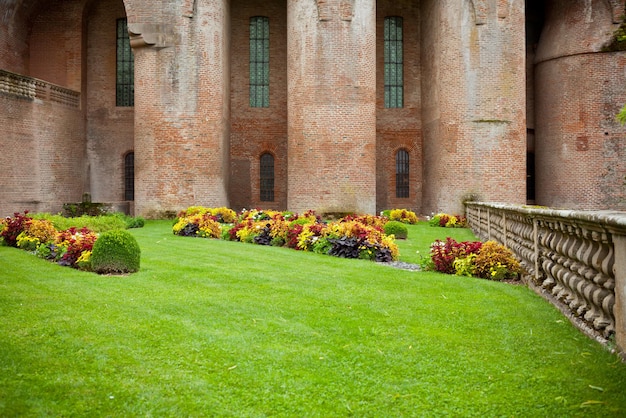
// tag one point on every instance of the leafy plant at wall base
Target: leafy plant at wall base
(496, 262)
(26, 242)
(75, 241)
(264, 237)
(116, 252)
(52, 252)
(13, 226)
(443, 254)
(41, 229)
(293, 234)
(84, 261)
(445, 220)
(344, 247)
(322, 246)
(465, 266)
(404, 216)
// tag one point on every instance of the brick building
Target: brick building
(332, 105)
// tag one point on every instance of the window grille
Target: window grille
(259, 61)
(402, 173)
(125, 76)
(267, 177)
(129, 176)
(394, 60)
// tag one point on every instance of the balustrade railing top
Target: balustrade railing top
(32, 88)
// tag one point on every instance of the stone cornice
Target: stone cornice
(152, 35)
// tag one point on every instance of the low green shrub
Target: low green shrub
(115, 252)
(396, 228)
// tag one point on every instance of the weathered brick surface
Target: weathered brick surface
(182, 108)
(331, 70)
(580, 147)
(110, 129)
(399, 128)
(473, 84)
(256, 130)
(42, 155)
(197, 141)
(56, 47)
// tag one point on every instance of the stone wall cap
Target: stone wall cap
(612, 219)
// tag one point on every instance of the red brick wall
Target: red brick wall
(14, 31)
(56, 53)
(257, 130)
(43, 142)
(181, 105)
(399, 128)
(109, 128)
(580, 148)
(332, 99)
(473, 84)
(42, 155)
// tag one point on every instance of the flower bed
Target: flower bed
(445, 220)
(488, 260)
(70, 247)
(350, 237)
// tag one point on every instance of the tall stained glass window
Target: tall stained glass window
(259, 61)
(125, 77)
(394, 60)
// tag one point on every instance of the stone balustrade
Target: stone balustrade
(34, 89)
(577, 259)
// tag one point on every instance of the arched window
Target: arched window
(129, 176)
(394, 62)
(402, 173)
(267, 177)
(259, 61)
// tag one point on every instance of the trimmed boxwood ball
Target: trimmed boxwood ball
(115, 252)
(398, 229)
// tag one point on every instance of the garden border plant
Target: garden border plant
(71, 245)
(350, 237)
(489, 260)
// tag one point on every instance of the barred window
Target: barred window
(125, 76)
(394, 84)
(259, 61)
(402, 173)
(129, 176)
(267, 177)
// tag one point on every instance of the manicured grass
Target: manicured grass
(215, 328)
(422, 235)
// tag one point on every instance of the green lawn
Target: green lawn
(215, 328)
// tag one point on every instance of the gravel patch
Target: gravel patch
(402, 265)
